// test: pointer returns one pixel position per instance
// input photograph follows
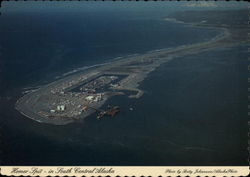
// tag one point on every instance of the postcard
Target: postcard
(128, 88)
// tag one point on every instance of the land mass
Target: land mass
(79, 95)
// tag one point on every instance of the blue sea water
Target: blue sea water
(192, 113)
(38, 46)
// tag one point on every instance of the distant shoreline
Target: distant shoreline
(138, 67)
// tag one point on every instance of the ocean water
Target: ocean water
(192, 113)
(37, 46)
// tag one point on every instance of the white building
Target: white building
(60, 107)
(52, 111)
(98, 97)
(89, 98)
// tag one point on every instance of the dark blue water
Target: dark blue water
(38, 46)
(193, 111)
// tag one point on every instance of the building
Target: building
(60, 107)
(98, 97)
(52, 111)
(89, 98)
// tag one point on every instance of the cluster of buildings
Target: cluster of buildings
(94, 98)
(73, 105)
(98, 83)
(59, 108)
(68, 103)
(66, 85)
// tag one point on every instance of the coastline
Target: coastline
(137, 74)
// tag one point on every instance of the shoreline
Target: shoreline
(137, 72)
(74, 71)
